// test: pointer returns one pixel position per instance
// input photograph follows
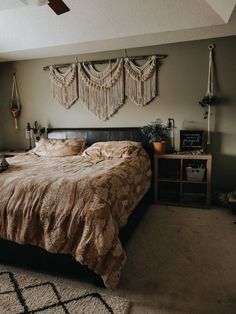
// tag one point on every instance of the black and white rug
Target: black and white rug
(26, 294)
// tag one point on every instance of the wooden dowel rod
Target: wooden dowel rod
(64, 65)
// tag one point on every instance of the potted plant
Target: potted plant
(206, 102)
(158, 133)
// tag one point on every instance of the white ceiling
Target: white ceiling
(29, 31)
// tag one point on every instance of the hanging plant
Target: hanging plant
(206, 102)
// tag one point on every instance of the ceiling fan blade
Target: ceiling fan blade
(58, 6)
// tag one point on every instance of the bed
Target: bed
(77, 205)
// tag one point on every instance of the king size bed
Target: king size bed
(81, 205)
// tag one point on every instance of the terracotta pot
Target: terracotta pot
(160, 147)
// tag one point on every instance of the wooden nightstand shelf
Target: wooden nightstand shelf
(173, 186)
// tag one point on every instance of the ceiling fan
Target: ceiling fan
(58, 6)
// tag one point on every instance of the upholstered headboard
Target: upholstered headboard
(92, 135)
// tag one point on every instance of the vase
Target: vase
(160, 147)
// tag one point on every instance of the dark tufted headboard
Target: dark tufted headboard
(92, 135)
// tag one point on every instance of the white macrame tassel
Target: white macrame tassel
(140, 81)
(209, 126)
(64, 85)
(102, 92)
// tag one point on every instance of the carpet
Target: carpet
(27, 293)
(181, 261)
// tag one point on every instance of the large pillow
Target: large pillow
(113, 149)
(59, 148)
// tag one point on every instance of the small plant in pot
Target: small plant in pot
(158, 133)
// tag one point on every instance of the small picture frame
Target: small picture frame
(191, 140)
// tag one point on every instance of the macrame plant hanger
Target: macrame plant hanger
(15, 102)
(210, 91)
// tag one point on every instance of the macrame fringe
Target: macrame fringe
(140, 81)
(102, 92)
(64, 85)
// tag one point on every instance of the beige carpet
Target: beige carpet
(180, 261)
(25, 292)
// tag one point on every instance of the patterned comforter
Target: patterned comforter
(74, 205)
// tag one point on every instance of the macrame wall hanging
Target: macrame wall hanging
(210, 91)
(64, 85)
(209, 100)
(15, 102)
(140, 81)
(102, 92)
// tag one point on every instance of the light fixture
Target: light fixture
(171, 126)
(35, 2)
(34, 133)
(28, 134)
(58, 6)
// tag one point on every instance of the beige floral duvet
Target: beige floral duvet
(74, 205)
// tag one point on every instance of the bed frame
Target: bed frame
(37, 258)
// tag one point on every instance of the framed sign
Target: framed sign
(191, 140)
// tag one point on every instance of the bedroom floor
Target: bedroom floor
(180, 261)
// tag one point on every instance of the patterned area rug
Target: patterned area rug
(23, 293)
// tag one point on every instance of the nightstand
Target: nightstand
(182, 179)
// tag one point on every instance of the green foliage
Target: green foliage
(156, 131)
(14, 105)
(206, 102)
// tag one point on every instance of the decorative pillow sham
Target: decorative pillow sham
(113, 149)
(59, 148)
